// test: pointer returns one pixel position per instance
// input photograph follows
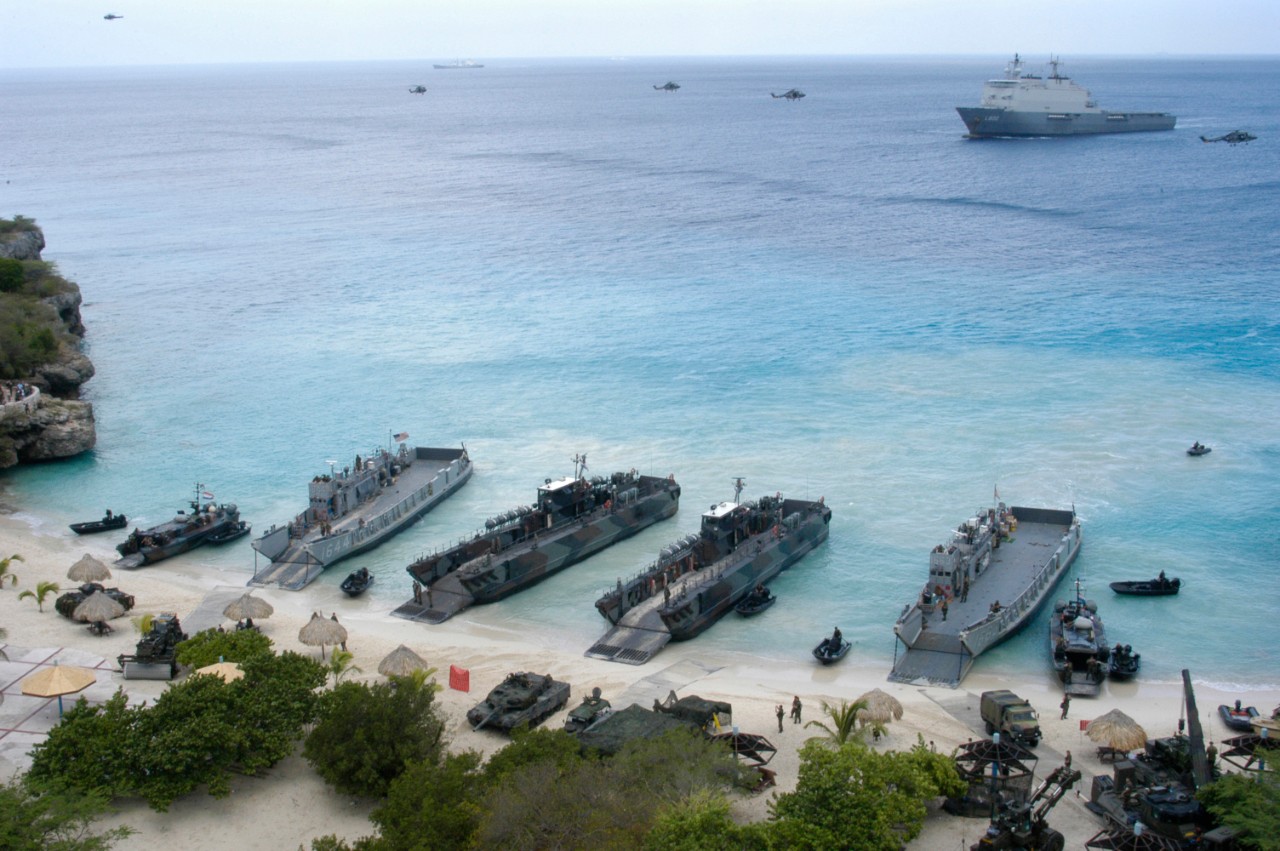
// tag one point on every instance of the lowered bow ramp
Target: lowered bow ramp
(638, 637)
(934, 660)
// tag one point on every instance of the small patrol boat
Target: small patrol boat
(832, 648)
(1124, 662)
(1161, 586)
(206, 521)
(1238, 717)
(756, 602)
(108, 522)
(357, 582)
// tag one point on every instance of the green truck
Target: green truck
(1006, 713)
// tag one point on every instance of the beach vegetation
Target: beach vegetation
(703, 822)
(430, 805)
(342, 663)
(42, 592)
(12, 275)
(366, 735)
(210, 646)
(856, 797)
(18, 224)
(36, 820)
(843, 719)
(27, 334)
(5, 574)
(142, 623)
(534, 747)
(196, 734)
(1250, 804)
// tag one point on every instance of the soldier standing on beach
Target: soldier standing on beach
(1066, 704)
(795, 710)
(944, 608)
(781, 715)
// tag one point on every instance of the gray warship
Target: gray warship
(702, 577)
(1029, 105)
(572, 519)
(520, 699)
(358, 508)
(1011, 559)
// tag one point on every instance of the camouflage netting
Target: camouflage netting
(635, 722)
(698, 711)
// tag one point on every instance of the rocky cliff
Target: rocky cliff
(58, 425)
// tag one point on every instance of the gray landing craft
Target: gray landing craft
(1012, 558)
(357, 509)
(572, 519)
(1028, 105)
(207, 523)
(700, 578)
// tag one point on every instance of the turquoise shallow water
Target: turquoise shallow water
(838, 297)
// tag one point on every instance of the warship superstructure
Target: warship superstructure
(703, 576)
(984, 584)
(357, 508)
(572, 519)
(1022, 104)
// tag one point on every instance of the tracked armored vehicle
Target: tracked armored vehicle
(520, 699)
(66, 604)
(156, 657)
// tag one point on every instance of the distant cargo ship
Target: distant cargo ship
(1028, 105)
(458, 63)
(358, 508)
(1009, 559)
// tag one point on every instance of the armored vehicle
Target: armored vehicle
(591, 710)
(1023, 826)
(156, 657)
(66, 604)
(520, 699)
(1004, 711)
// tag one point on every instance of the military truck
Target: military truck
(157, 654)
(1005, 712)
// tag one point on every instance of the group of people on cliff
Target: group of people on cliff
(15, 391)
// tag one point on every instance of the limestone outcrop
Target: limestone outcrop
(57, 428)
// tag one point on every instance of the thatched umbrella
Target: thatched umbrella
(228, 671)
(97, 609)
(88, 569)
(248, 606)
(881, 707)
(401, 662)
(321, 631)
(58, 680)
(1117, 731)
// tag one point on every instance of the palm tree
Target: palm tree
(340, 664)
(844, 721)
(143, 622)
(4, 569)
(43, 590)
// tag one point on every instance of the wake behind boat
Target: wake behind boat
(1010, 560)
(355, 510)
(206, 522)
(1029, 105)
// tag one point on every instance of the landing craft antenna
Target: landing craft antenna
(579, 465)
(738, 484)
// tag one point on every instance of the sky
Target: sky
(73, 33)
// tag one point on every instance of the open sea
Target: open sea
(838, 297)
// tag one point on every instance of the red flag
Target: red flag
(1083, 725)
(459, 678)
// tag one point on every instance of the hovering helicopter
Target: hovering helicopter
(1235, 137)
(112, 17)
(790, 94)
(669, 87)
(418, 90)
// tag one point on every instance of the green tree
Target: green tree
(42, 592)
(32, 820)
(5, 574)
(90, 752)
(210, 646)
(1250, 804)
(854, 797)
(341, 663)
(702, 822)
(366, 734)
(431, 806)
(530, 747)
(844, 721)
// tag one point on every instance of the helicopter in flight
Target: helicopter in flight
(418, 90)
(1235, 137)
(669, 87)
(112, 16)
(790, 94)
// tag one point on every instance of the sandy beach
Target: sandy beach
(290, 806)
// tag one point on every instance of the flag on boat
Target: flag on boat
(997, 493)
(402, 437)
(206, 494)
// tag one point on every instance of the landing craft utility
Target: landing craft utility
(572, 519)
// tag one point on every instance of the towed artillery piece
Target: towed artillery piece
(157, 655)
(520, 699)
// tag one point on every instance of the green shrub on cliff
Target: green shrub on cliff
(12, 275)
(27, 335)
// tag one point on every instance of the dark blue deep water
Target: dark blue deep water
(836, 297)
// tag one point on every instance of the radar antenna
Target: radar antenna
(579, 465)
(738, 484)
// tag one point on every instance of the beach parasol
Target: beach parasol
(319, 631)
(88, 569)
(248, 606)
(98, 608)
(1117, 731)
(880, 708)
(401, 662)
(57, 680)
(228, 671)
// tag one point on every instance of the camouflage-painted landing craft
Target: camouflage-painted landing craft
(572, 519)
